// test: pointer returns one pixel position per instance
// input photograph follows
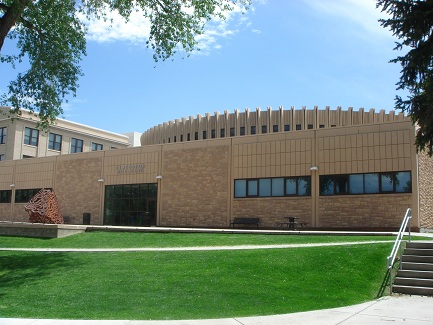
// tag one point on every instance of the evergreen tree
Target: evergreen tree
(411, 21)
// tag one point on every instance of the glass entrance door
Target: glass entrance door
(130, 205)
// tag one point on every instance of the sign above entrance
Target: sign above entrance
(130, 169)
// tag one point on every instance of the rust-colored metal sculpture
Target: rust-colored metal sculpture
(43, 208)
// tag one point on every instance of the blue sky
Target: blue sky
(280, 53)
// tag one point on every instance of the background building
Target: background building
(20, 138)
(332, 169)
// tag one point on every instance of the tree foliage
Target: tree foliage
(411, 21)
(50, 35)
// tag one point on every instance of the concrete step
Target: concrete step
(417, 259)
(420, 244)
(417, 266)
(415, 274)
(422, 291)
(413, 282)
(418, 251)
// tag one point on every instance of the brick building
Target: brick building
(333, 169)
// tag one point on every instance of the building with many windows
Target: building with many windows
(20, 137)
(331, 169)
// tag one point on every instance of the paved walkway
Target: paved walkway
(398, 309)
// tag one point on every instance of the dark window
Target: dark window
(24, 196)
(264, 129)
(76, 145)
(31, 137)
(310, 126)
(98, 147)
(175, 138)
(2, 157)
(222, 133)
(213, 134)
(188, 137)
(195, 135)
(253, 129)
(298, 127)
(204, 135)
(169, 140)
(321, 126)
(5, 196)
(130, 204)
(370, 183)
(27, 157)
(242, 130)
(55, 142)
(3, 134)
(403, 182)
(275, 128)
(181, 138)
(287, 127)
(232, 132)
(266, 187)
(333, 125)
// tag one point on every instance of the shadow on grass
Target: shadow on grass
(18, 269)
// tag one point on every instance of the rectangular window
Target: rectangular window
(310, 126)
(31, 137)
(2, 157)
(341, 184)
(356, 184)
(403, 182)
(5, 196)
(253, 129)
(204, 135)
(232, 132)
(181, 138)
(213, 134)
(298, 127)
(264, 129)
(287, 127)
(242, 130)
(321, 126)
(175, 139)
(252, 189)
(275, 128)
(370, 183)
(55, 142)
(222, 133)
(267, 187)
(240, 188)
(304, 186)
(98, 146)
(188, 137)
(387, 182)
(24, 196)
(195, 135)
(76, 145)
(277, 186)
(3, 134)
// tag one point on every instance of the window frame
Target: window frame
(254, 187)
(98, 146)
(31, 139)
(3, 134)
(74, 142)
(53, 142)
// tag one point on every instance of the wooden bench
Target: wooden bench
(245, 221)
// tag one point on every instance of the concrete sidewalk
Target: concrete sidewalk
(397, 309)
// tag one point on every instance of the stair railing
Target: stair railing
(397, 249)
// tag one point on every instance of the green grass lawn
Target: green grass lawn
(101, 239)
(185, 284)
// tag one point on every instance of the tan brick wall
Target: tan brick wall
(195, 186)
(77, 188)
(273, 210)
(366, 211)
(425, 164)
(5, 212)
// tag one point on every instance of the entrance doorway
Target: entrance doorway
(130, 205)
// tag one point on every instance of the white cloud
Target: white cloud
(137, 29)
(361, 12)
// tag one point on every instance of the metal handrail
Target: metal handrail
(397, 245)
